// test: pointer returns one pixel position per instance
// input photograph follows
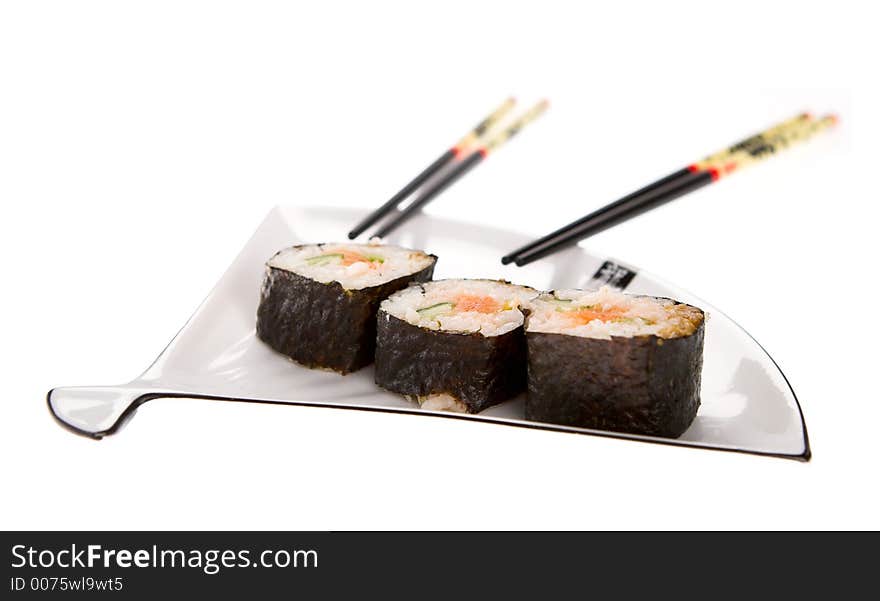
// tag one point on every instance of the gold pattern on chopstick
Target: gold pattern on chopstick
(771, 144)
(484, 127)
(750, 142)
(514, 128)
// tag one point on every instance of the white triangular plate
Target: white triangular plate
(747, 404)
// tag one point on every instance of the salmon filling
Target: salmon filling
(354, 266)
(489, 307)
(607, 312)
(350, 258)
(472, 302)
(588, 314)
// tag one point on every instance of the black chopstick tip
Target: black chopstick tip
(506, 260)
(352, 235)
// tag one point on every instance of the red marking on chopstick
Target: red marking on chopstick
(725, 170)
(456, 151)
(483, 152)
(715, 174)
(693, 168)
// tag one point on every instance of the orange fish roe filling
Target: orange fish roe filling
(349, 258)
(586, 315)
(480, 304)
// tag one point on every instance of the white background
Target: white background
(141, 144)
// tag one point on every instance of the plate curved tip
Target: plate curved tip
(95, 411)
(64, 424)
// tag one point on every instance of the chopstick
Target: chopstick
(665, 184)
(460, 148)
(462, 167)
(700, 174)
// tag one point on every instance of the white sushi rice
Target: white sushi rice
(388, 263)
(562, 312)
(407, 303)
(440, 402)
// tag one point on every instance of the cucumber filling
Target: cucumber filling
(324, 259)
(435, 311)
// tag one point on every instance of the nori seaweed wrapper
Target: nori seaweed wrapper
(480, 371)
(641, 385)
(324, 325)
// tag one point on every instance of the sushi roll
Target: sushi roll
(318, 302)
(454, 345)
(612, 361)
